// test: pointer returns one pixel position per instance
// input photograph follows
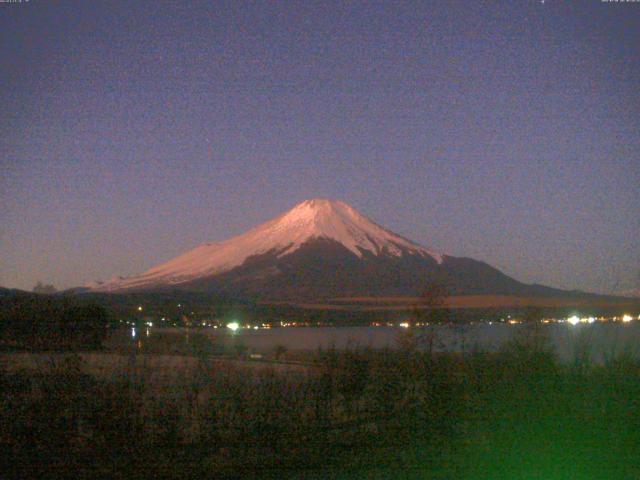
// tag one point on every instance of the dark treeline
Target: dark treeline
(180, 307)
(47, 322)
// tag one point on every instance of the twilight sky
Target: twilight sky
(507, 131)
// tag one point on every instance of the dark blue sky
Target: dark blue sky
(507, 131)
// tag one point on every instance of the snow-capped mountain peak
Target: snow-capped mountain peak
(335, 220)
(311, 219)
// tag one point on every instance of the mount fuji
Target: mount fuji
(320, 249)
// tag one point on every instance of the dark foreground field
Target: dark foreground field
(516, 414)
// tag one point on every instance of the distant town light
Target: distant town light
(139, 308)
(627, 318)
(574, 320)
(404, 325)
(133, 332)
(233, 326)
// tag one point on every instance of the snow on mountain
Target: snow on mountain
(311, 219)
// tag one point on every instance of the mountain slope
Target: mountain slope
(320, 249)
(281, 236)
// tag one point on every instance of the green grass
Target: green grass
(515, 414)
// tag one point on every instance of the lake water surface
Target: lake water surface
(600, 339)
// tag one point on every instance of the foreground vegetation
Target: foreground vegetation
(402, 413)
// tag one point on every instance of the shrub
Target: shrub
(53, 323)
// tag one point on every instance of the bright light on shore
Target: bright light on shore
(404, 325)
(233, 326)
(574, 320)
(627, 318)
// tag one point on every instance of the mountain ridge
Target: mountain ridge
(283, 235)
(320, 249)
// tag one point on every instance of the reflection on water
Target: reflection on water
(600, 339)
